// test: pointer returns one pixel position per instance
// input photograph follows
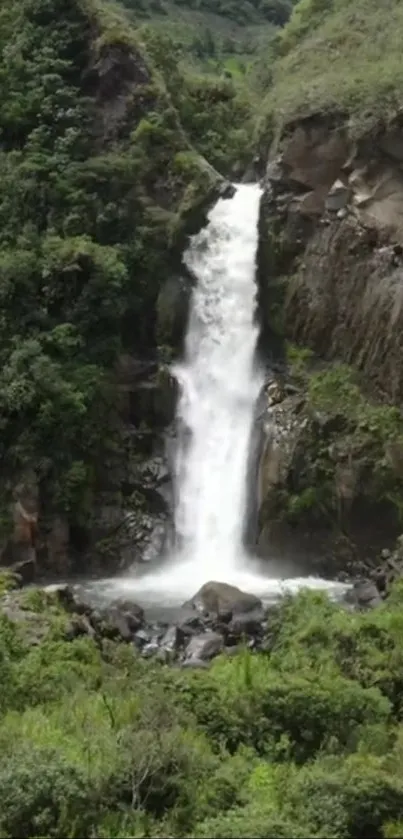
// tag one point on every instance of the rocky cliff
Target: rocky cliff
(341, 209)
(331, 275)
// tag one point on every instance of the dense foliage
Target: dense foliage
(86, 226)
(239, 11)
(348, 456)
(303, 740)
(217, 112)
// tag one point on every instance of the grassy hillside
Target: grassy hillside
(213, 37)
(338, 54)
(206, 33)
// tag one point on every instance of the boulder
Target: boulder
(172, 640)
(204, 647)
(364, 595)
(189, 622)
(120, 621)
(215, 598)
(79, 625)
(150, 649)
(114, 625)
(248, 624)
(64, 594)
(133, 613)
(141, 638)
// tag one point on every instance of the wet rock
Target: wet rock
(150, 649)
(364, 595)
(172, 640)
(79, 606)
(275, 174)
(226, 190)
(381, 579)
(217, 626)
(249, 624)
(274, 393)
(153, 401)
(225, 616)
(79, 625)
(189, 622)
(64, 594)
(20, 548)
(152, 478)
(215, 597)
(204, 647)
(141, 637)
(113, 625)
(133, 613)
(120, 621)
(172, 311)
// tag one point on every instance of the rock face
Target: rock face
(330, 278)
(334, 223)
(322, 504)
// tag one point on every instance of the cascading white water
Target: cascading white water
(219, 384)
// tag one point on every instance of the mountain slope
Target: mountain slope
(97, 182)
(337, 54)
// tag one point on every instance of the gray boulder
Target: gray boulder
(364, 595)
(218, 598)
(204, 647)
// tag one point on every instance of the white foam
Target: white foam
(177, 583)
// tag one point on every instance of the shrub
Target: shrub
(41, 794)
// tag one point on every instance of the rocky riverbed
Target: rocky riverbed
(220, 618)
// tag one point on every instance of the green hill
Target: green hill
(334, 54)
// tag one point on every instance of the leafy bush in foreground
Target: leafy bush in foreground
(305, 739)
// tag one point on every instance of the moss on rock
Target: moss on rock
(341, 474)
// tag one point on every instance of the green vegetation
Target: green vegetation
(350, 452)
(91, 200)
(303, 740)
(237, 11)
(337, 55)
(216, 112)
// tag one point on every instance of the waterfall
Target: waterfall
(219, 386)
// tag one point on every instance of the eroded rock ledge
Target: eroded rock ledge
(333, 226)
